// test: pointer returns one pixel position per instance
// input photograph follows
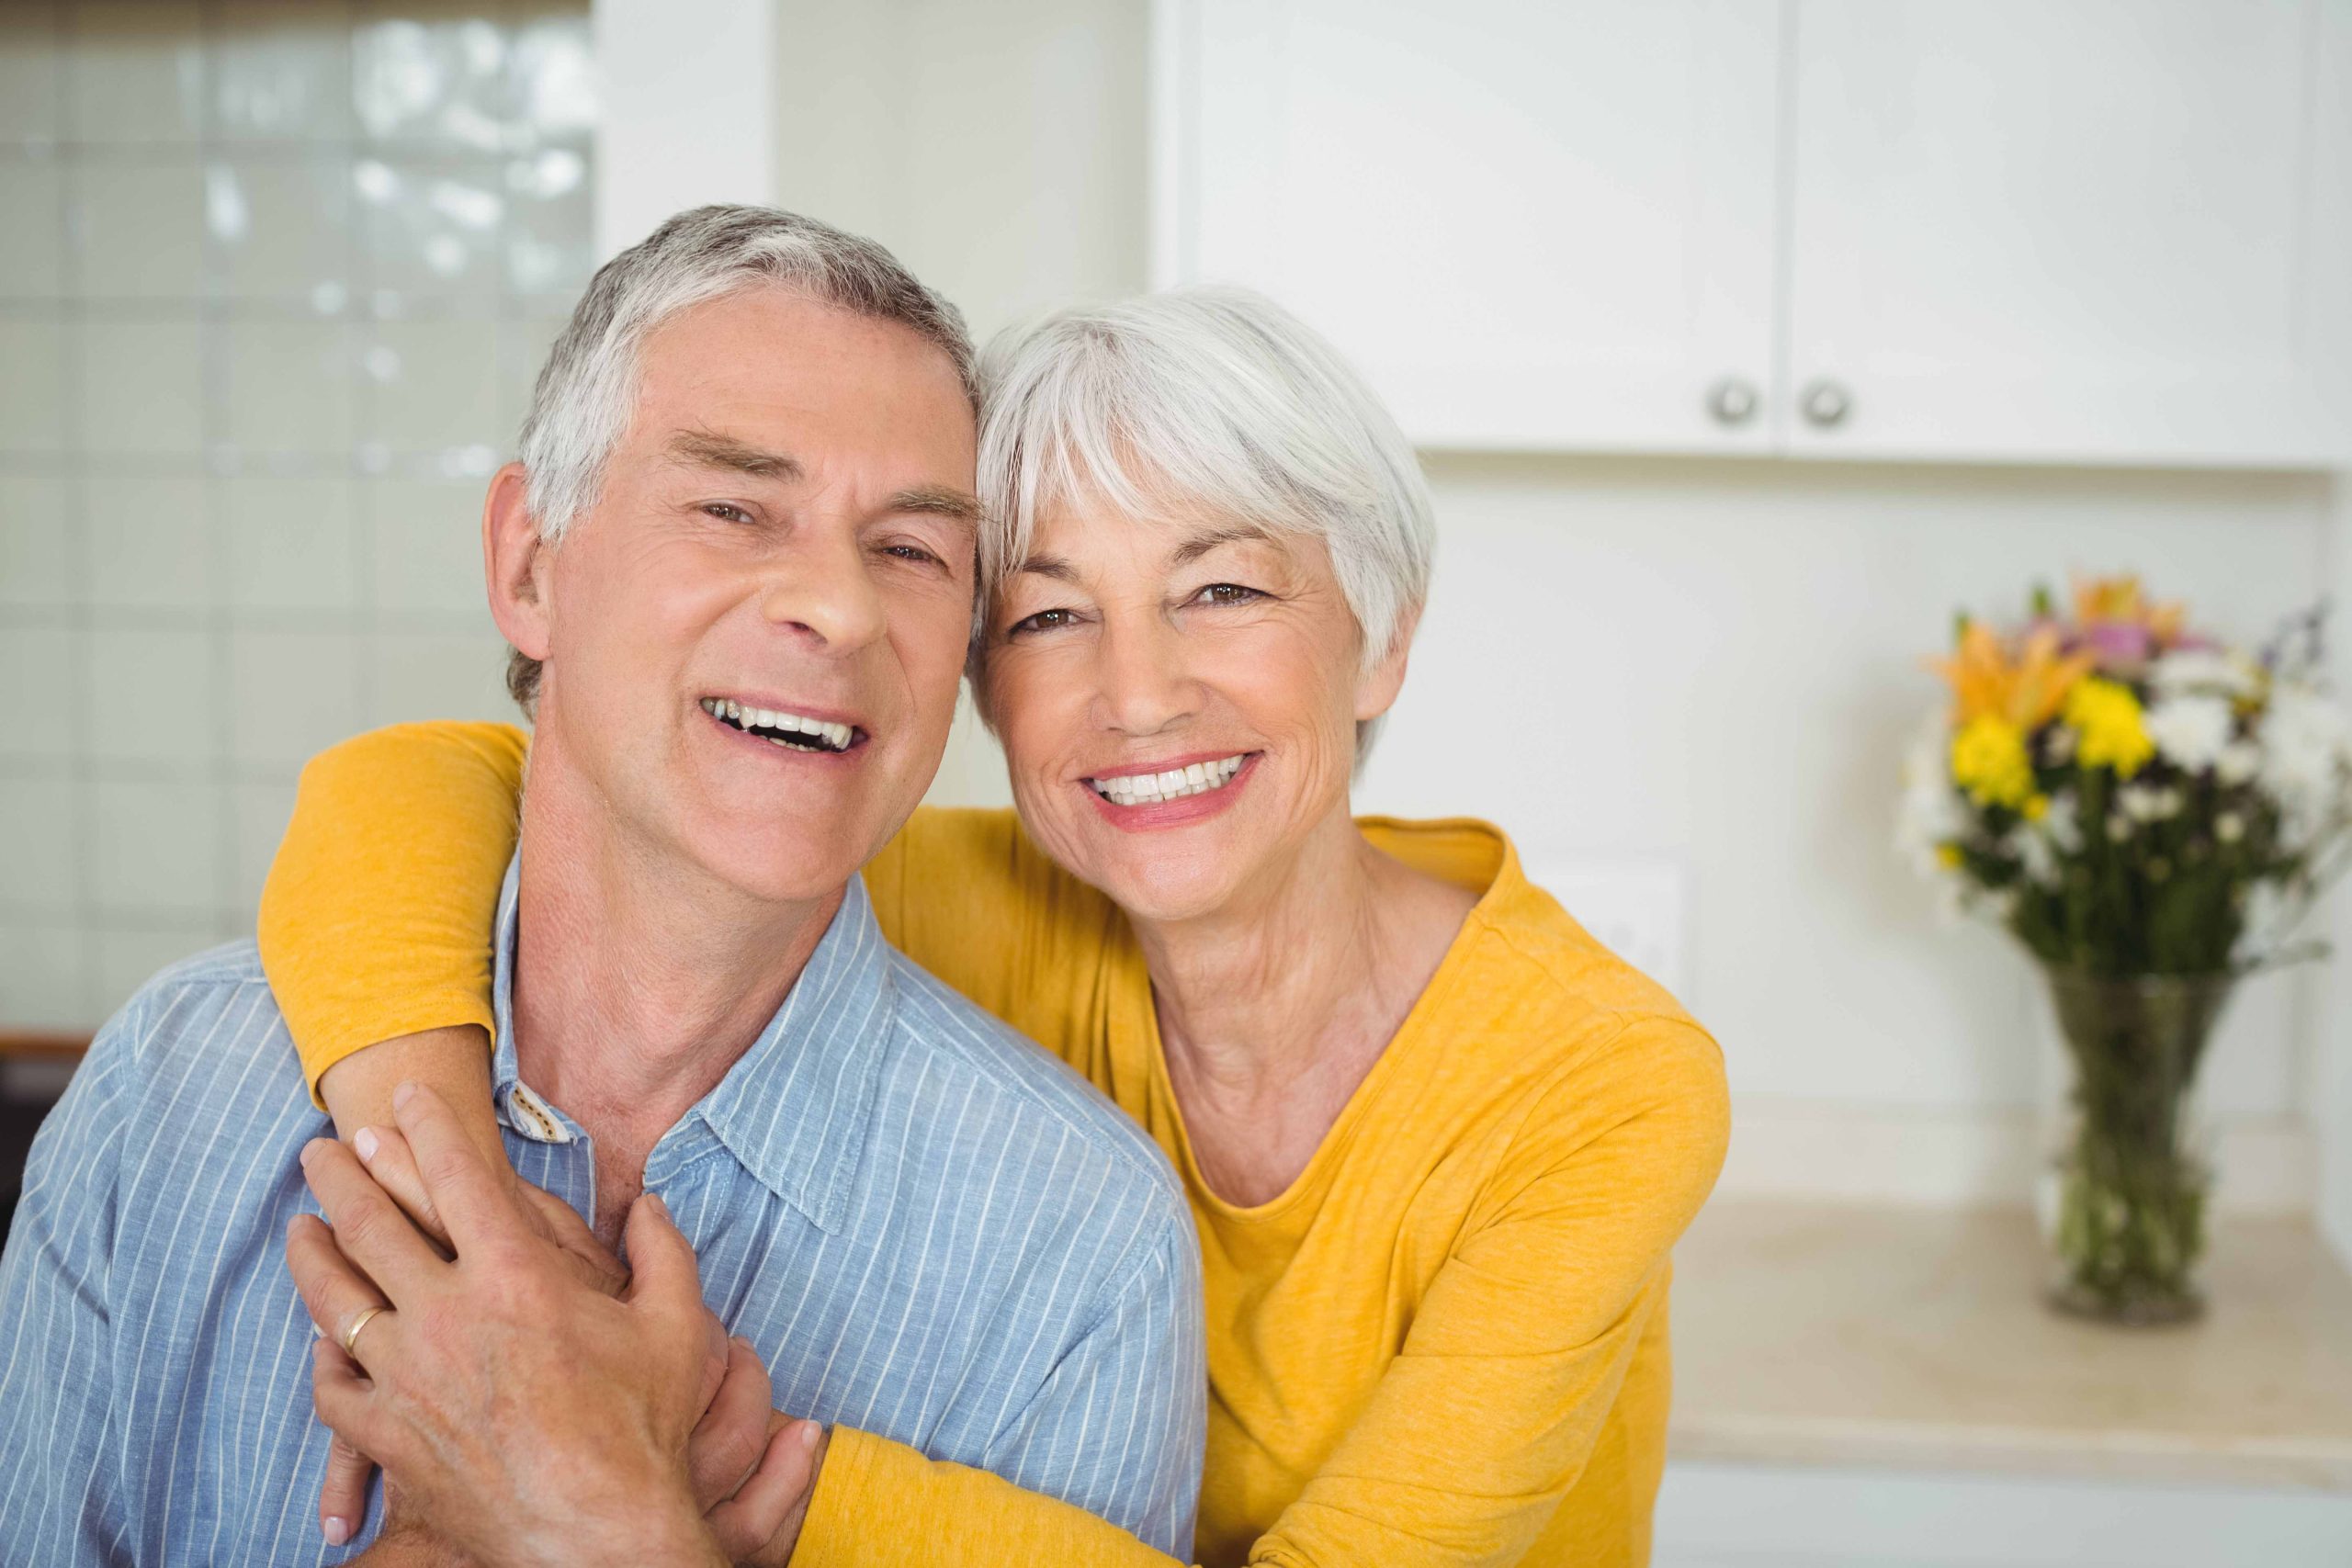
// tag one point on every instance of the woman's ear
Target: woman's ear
(1377, 687)
(515, 563)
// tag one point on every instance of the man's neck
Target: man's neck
(639, 978)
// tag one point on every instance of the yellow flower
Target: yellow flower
(2035, 808)
(1988, 761)
(1948, 856)
(2028, 692)
(2107, 716)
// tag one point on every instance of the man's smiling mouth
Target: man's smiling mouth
(789, 730)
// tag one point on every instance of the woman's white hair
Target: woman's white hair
(1212, 397)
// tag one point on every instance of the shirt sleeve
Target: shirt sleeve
(57, 1501)
(376, 919)
(1485, 1420)
(1101, 1467)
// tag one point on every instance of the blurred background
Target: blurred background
(1746, 341)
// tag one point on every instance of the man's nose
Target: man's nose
(826, 594)
(1142, 685)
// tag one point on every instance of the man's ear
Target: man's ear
(515, 562)
(1377, 687)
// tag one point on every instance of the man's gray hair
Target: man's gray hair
(586, 391)
(1213, 398)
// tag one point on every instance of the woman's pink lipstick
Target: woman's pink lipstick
(1184, 810)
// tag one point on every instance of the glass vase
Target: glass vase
(2129, 1172)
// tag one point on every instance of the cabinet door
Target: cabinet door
(1534, 224)
(2068, 230)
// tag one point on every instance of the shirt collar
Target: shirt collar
(793, 1107)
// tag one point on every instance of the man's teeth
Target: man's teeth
(1146, 789)
(781, 728)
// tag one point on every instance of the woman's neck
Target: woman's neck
(1274, 1009)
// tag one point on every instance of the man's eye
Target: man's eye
(725, 511)
(913, 553)
(1226, 593)
(1043, 621)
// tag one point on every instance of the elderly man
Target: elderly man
(735, 564)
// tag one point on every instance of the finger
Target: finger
(662, 1270)
(717, 1353)
(477, 1203)
(334, 1291)
(368, 1227)
(343, 1500)
(385, 1153)
(590, 1258)
(775, 1499)
(727, 1444)
(345, 1401)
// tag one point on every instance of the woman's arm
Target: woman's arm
(375, 919)
(1475, 1432)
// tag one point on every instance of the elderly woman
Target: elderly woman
(1438, 1140)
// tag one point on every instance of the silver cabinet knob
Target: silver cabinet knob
(1733, 401)
(1825, 403)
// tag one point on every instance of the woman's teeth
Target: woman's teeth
(1148, 789)
(786, 730)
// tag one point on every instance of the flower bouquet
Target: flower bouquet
(2151, 813)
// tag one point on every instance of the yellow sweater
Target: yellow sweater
(1446, 1344)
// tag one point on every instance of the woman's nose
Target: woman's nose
(829, 597)
(1142, 684)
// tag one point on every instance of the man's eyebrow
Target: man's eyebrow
(706, 450)
(1054, 567)
(1201, 544)
(937, 501)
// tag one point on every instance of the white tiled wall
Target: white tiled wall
(275, 277)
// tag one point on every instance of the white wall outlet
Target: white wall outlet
(1636, 907)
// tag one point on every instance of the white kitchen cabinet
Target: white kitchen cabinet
(1533, 225)
(2019, 230)
(2069, 231)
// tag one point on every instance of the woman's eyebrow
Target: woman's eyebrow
(1201, 544)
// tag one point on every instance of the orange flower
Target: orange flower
(2028, 692)
(2118, 601)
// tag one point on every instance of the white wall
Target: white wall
(1715, 663)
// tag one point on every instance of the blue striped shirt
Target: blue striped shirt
(930, 1228)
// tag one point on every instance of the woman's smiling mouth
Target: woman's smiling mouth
(1177, 783)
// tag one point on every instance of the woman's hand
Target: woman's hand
(532, 1417)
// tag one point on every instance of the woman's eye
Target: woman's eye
(1226, 593)
(725, 511)
(1043, 621)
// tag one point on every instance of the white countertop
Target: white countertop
(1808, 1334)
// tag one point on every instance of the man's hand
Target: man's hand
(343, 1497)
(534, 1419)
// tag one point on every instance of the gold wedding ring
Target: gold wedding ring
(351, 1335)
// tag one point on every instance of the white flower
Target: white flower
(2239, 761)
(2306, 753)
(2228, 673)
(2064, 823)
(2192, 732)
(2229, 827)
(1932, 813)
(2141, 802)
(2032, 848)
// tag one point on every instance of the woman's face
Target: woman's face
(1178, 699)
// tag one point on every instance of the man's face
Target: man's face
(786, 529)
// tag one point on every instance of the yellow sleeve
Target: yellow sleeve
(880, 1504)
(376, 919)
(1486, 1419)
